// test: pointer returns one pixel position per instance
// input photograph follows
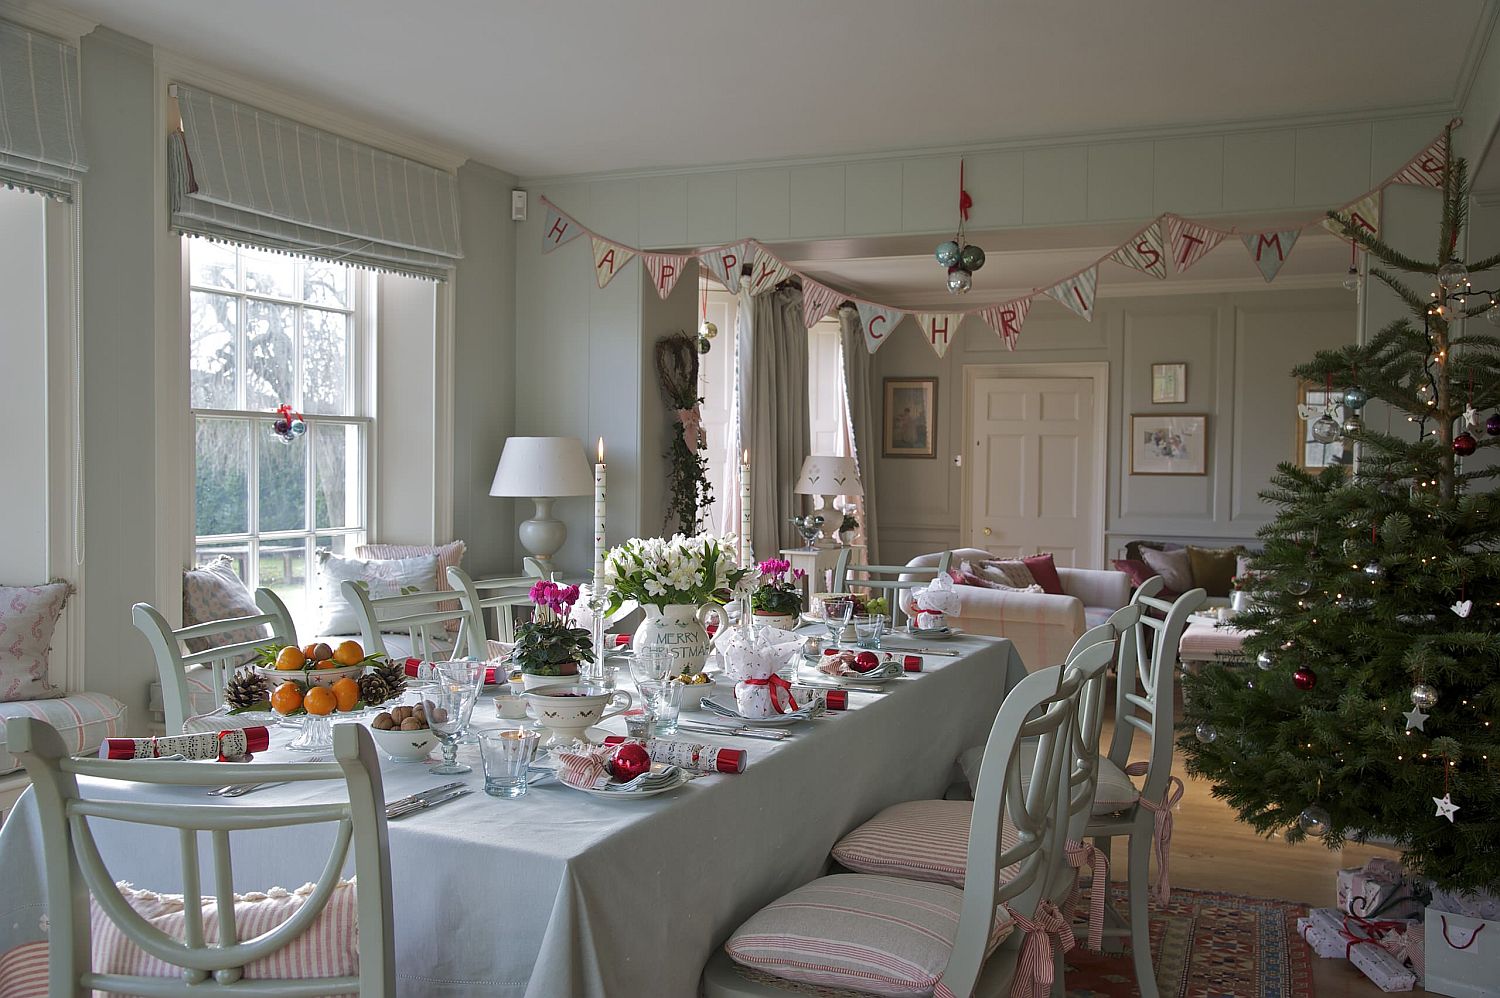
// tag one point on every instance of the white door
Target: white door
(1032, 469)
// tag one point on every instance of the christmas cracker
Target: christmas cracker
(686, 755)
(223, 745)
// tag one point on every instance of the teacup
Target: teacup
(510, 707)
(568, 710)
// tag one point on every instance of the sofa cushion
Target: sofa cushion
(1174, 567)
(1044, 570)
(214, 592)
(383, 576)
(449, 555)
(1214, 569)
(28, 616)
(969, 576)
(1011, 573)
(83, 720)
(1133, 549)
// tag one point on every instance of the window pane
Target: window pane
(325, 283)
(269, 273)
(271, 355)
(214, 351)
(212, 263)
(221, 485)
(283, 569)
(325, 362)
(283, 481)
(336, 473)
(343, 544)
(238, 553)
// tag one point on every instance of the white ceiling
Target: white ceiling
(548, 87)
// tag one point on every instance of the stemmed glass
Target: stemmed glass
(836, 614)
(650, 667)
(448, 704)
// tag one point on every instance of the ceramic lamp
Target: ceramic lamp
(828, 476)
(543, 469)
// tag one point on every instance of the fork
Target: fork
(241, 789)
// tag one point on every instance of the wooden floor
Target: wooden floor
(1211, 850)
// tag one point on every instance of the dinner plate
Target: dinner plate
(683, 778)
(854, 679)
(940, 634)
(778, 721)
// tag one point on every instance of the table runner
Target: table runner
(558, 893)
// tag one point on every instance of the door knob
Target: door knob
(988, 531)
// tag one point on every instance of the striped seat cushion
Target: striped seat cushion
(875, 935)
(1115, 791)
(83, 720)
(917, 840)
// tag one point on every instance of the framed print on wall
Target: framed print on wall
(910, 418)
(1168, 445)
(1168, 383)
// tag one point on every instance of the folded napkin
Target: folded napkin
(588, 770)
(698, 758)
(716, 706)
(841, 663)
(221, 745)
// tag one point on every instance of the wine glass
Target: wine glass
(448, 704)
(463, 670)
(650, 667)
(836, 614)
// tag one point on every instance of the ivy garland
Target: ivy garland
(687, 473)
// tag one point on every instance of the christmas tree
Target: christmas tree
(1363, 707)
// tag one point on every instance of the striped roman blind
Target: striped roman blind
(248, 176)
(41, 132)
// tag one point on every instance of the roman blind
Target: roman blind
(41, 131)
(248, 176)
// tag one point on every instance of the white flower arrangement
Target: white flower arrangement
(679, 571)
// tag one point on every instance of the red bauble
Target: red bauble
(1464, 444)
(866, 661)
(629, 761)
(1305, 679)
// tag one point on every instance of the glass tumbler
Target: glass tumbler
(506, 757)
(869, 630)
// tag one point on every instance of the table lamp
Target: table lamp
(828, 475)
(543, 469)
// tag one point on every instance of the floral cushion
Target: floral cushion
(449, 555)
(877, 935)
(383, 576)
(213, 592)
(28, 616)
(83, 720)
(917, 840)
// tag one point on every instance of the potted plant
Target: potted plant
(777, 598)
(847, 527)
(548, 647)
(678, 583)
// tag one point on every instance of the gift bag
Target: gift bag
(1463, 955)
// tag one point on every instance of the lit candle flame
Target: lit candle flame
(746, 461)
(601, 450)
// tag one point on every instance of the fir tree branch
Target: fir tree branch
(1412, 299)
(1378, 248)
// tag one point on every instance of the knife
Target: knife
(423, 795)
(739, 731)
(426, 802)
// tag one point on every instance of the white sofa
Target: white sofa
(1042, 626)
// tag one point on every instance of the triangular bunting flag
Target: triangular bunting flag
(1190, 241)
(1425, 169)
(818, 300)
(877, 321)
(1077, 292)
(609, 259)
(1006, 319)
(1364, 213)
(767, 272)
(558, 229)
(665, 268)
(1270, 249)
(724, 263)
(1144, 252)
(939, 328)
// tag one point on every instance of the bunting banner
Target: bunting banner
(877, 321)
(665, 269)
(939, 328)
(1077, 292)
(724, 262)
(1269, 249)
(1425, 169)
(1006, 319)
(559, 229)
(1190, 241)
(766, 272)
(818, 300)
(1144, 251)
(609, 258)
(1364, 214)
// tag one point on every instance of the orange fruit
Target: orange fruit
(346, 692)
(287, 698)
(290, 659)
(349, 653)
(319, 700)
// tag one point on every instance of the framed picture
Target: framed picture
(1312, 401)
(910, 417)
(1168, 445)
(1168, 383)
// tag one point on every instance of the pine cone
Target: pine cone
(373, 689)
(246, 688)
(394, 676)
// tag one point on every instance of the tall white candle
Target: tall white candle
(746, 548)
(599, 518)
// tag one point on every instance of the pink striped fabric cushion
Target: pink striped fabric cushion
(917, 840)
(23, 971)
(448, 556)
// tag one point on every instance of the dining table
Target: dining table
(561, 893)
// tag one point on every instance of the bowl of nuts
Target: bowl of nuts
(402, 733)
(695, 686)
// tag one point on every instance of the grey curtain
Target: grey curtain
(864, 417)
(776, 418)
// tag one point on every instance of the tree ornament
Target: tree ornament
(1453, 275)
(1326, 430)
(1492, 314)
(1492, 425)
(708, 330)
(1353, 424)
(1304, 678)
(1299, 587)
(1415, 719)
(1464, 444)
(1424, 696)
(703, 343)
(1314, 820)
(629, 761)
(972, 258)
(1351, 279)
(1265, 661)
(1206, 733)
(948, 254)
(1374, 570)
(288, 424)
(1356, 397)
(1445, 807)
(959, 281)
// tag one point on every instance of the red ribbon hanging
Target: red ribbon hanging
(778, 687)
(964, 201)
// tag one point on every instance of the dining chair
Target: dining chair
(174, 662)
(853, 929)
(203, 959)
(892, 581)
(498, 594)
(420, 615)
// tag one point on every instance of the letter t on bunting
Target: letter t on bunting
(558, 229)
(1077, 292)
(1190, 241)
(877, 321)
(1364, 214)
(939, 328)
(665, 269)
(1270, 249)
(723, 264)
(1006, 319)
(608, 259)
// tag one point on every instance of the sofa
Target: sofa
(1042, 626)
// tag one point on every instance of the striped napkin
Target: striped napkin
(716, 706)
(841, 664)
(588, 770)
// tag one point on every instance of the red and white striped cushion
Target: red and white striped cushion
(23, 971)
(449, 555)
(878, 935)
(918, 840)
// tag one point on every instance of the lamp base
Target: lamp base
(543, 535)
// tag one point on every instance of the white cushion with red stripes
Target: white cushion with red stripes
(23, 971)
(878, 935)
(1114, 793)
(917, 840)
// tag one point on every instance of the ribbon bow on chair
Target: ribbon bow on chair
(1163, 831)
(1078, 855)
(779, 687)
(1034, 969)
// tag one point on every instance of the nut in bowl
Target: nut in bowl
(695, 686)
(403, 734)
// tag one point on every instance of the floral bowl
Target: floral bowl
(312, 677)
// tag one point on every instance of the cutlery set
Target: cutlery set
(426, 799)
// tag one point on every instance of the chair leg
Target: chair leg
(1140, 914)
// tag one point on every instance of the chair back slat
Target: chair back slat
(376, 619)
(902, 578)
(485, 594)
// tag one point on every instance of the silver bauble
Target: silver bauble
(1353, 424)
(1299, 587)
(703, 343)
(1314, 820)
(1326, 429)
(1355, 398)
(1351, 279)
(1374, 570)
(1206, 733)
(1265, 661)
(1453, 275)
(1423, 696)
(959, 281)
(948, 253)
(1492, 314)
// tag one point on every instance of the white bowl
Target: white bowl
(312, 677)
(405, 746)
(693, 694)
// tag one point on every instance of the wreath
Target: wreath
(687, 474)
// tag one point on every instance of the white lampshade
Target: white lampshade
(534, 467)
(827, 475)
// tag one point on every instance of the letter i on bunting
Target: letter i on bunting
(724, 263)
(877, 321)
(558, 229)
(766, 273)
(939, 328)
(665, 269)
(1270, 249)
(608, 259)
(1145, 252)
(1006, 319)
(818, 300)
(1077, 292)
(1190, 241)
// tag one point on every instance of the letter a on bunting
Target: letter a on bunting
(877, 321)
(1077, 292)
(724, 263)
(558, 229)
(1144, 252)
(1006, 319)
(817, 301)
(939, 328)
(1270, 249)
(608, 259)
(766, 273)
(1364, 213)
(665, 268)
(1190, 241)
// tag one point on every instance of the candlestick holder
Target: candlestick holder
(597, 603)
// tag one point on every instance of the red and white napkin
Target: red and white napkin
(221, 745)
(697, 758)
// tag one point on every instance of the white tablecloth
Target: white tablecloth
(562, 894)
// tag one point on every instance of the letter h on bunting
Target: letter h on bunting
(939, 328)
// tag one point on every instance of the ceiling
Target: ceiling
(552, 87)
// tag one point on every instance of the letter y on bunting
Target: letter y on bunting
(818, 300)
(766, 273)
(665, 269)
(608, 259)
(1006, 319)
(877, 321)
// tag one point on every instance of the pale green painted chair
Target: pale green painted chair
(498, 594)
(75, 869)
(173, 661)
(891, 581)
(419, 615)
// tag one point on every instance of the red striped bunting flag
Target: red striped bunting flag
(1077, 292)
(1006, 319)
(609, 258)
(766, 272)
(1425, 169)
(1190, 241)
(665, 269)
(818, 300)
(1364, 213)
(724, 263)
(1144, 251)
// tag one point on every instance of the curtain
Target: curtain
(776, 420)
(734, 435)
(41, 128)
(247, 176)
(864, 418)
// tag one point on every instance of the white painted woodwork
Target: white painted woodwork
(826, 401)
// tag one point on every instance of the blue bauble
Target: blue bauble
(1356, 397)
(282, 428)
(972, 258)
(948, 254)
(298, 428)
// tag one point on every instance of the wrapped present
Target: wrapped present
(1475, 904)
(697, 758)
(1379, 889)
(1408, 944)
(1382, 968)
(1321, 929)
(1462, 953)
(751, 658)
(932, 604)
(225, 746)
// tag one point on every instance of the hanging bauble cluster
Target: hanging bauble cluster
(288, 424)
(961, 257)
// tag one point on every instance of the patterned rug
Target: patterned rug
(1206, 944)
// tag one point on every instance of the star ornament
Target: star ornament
(1445, 807)
(1471, 418)
(1415, 719)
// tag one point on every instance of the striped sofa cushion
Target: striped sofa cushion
(917, 840)
(449, 555)
(23, 971)
(83, 719)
